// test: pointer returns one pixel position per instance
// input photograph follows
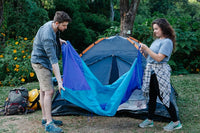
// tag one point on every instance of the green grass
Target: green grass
(188, 101)
(188, 88)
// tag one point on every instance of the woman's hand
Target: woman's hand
(147, 51)
(143, 47)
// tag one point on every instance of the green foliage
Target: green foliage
(15, 63)
(91, 20)
(185, 21)
(85, 26)
(161, 6)
(194, 66)
(143, 32)
(112, 31)
(22, 18)
(100, 7)
(47, 4)
(2, 40)
(187, 42)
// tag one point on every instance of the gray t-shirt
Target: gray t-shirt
(163, 46)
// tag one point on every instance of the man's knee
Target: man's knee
(49, 92)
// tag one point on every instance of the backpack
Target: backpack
(34, 99)
(17, 102)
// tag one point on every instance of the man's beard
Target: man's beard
(58, 30)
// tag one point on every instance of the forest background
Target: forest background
(91, 20)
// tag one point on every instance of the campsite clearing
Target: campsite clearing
(187, 86)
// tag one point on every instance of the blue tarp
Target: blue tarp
(83, 89)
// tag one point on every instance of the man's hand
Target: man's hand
(60, 86)
(56, 71)
(62, 41)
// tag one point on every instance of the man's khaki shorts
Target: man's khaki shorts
(44, 77)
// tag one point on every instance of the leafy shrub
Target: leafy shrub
(112, 31)
(184, 59)
(15, 63)
(23, 18)
(86, 24)
(194, 66)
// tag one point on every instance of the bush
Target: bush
(86, 24)
(22, 18)
(15, 63)
(185, 59)
(112, 31)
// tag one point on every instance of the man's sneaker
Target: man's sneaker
(146, 123)
(57, 122)
(52, 128)
(172, 126)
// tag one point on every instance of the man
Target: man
(44, 60)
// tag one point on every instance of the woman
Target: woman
(156, 78)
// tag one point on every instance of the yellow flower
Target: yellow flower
(22, 79)
(15, 58)
(1, 56)
(22, 51)
(32, 74)
(7, 69)
(14, 51)
(29, 57)
(197, 69)
(3, 34)
(16, 43)
(25, 39)
(16, 69)
(17, 66)
(24, 56)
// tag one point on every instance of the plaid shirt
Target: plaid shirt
(162, 72)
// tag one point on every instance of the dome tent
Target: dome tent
(108, 59)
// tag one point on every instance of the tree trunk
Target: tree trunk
(127, 14)
(1, 11)
(112, 13)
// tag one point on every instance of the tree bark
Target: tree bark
(1, 12)
(127, 13)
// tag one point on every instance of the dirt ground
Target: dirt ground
(31, 123)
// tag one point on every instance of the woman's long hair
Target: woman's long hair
(167, 30)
